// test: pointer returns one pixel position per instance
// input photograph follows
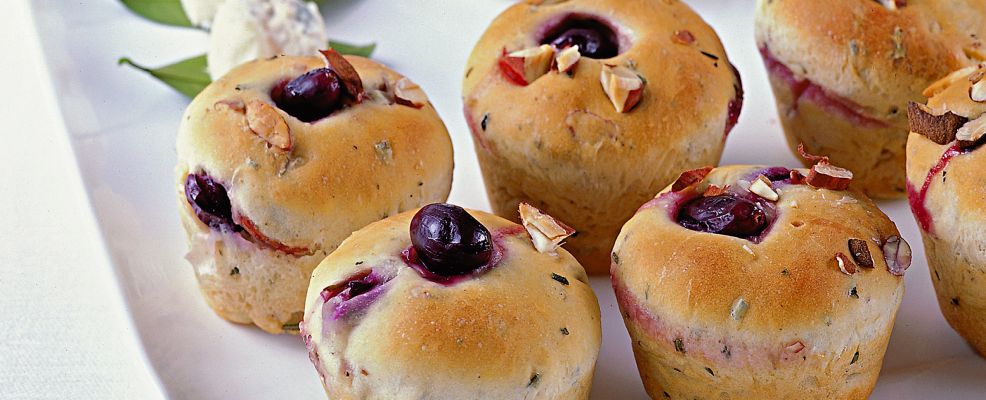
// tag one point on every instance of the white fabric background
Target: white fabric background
(64, 330)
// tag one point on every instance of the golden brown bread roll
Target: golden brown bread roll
(651, 92)
(747, 283)
(843, 71)
(946, 168)
(264, 195)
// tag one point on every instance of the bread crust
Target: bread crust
(354, 167)
(951, 215)
(511, 332)
(875, 59)
(559, 143)
(713, 315)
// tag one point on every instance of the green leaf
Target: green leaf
(188, 77)
(353, 49)
(168, 12)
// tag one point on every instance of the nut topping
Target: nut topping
(892, 4)
(409, 94)
(860, 253)
(978, 91)
(845, 264)
(714, 190)
(764, 188)
(897, 254)
(827, 176)
(689, 178)
(350, 78)
(546, 232)
(940, 129)
(623, 86)
(683, 37)
(566, 59)
(267, 123)
(970, 133)
(797, 178)
(525, 66)
(949, 80)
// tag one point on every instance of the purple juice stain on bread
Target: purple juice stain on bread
(447, 241)
(595, 38)
(210, 201)
(354, 295)
(311, 96)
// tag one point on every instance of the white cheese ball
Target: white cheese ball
(245, 30)
(201, 12)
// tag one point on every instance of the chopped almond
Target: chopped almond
(763, 187)
(940, 129)
(525, 66)
(267, 123)
(949, 80)
(566, 59)
(547, 233)
(970, 133)
(347, 73)
(860, 253)
(689, 178)
(714, 190)
(409, 94)
(623, 86)
(845, 264)
(827, 176)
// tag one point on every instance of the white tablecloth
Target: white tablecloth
(65, 331)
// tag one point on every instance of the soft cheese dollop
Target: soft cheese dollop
(201, 12)
(245, 30)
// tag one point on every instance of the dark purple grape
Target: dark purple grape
(594, 38)
(724, 214)
(357, 288)
(775, 174)
(210, 201)
(448, 241)
(311, 96)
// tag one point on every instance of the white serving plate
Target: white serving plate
(122, 127)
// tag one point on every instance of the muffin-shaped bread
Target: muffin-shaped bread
(585, 109)
(946, 172)
(282, 159)
(760, 283)
(446, 303)
(843, 72)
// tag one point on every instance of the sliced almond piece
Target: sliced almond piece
(797, 178)
(978, 91)
(897, 254)
(623, 86)
(827, 176)
(764, 188)
(689, 178)
(525, 66)
(940, 129)
(547, 233)
(409, 94)
(949, 80)
(714, 190)
(970, 133)
(347, 73)
(566, 59)
(845, 264)
(267, 123)
(860, 253)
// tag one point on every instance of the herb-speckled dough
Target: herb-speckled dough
(559, 143)
(352, 168)
(714, 316)
(955, 210)
(528, 328)
(873, 60)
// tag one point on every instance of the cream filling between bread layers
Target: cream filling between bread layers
(803, 89)
(831, 348)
